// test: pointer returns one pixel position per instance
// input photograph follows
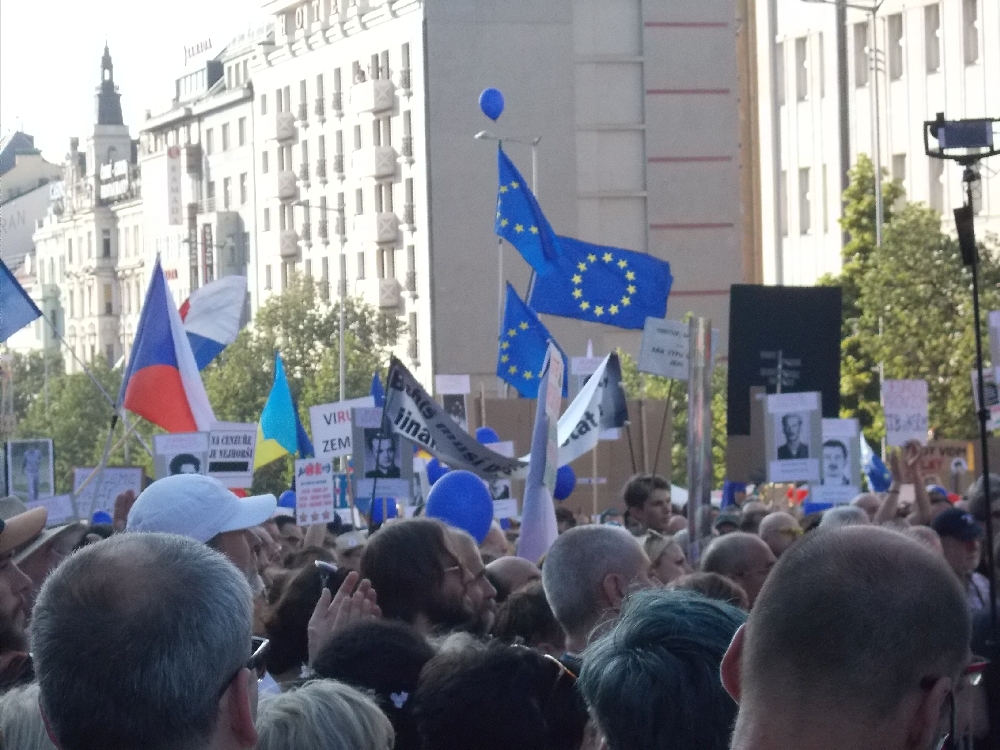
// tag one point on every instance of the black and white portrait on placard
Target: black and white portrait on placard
(382, 456)
(454, 404)
(793, 437)
(836, 465)
(794, 447)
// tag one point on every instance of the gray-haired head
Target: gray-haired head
(575, 569)
(653, 681)
(21, 724)
(844, 515)
(323, 715)
(743, 558)
(135, 639)
(976, 496)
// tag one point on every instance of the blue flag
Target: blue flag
(603, 284)
(520, 220)
(305, 445)
(377, 391)
(878, 474)
(17, 309)
(523, 343)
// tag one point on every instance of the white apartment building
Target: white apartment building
(941, 56)
(365, 112)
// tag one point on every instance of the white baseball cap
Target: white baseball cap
(196, 506)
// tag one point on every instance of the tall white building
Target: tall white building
(941, 56)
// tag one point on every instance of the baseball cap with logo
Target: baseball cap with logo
(21, 528)
(956, 523)
(196, 506)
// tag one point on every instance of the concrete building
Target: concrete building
(24, 194)
(365, 112)
(934, 57)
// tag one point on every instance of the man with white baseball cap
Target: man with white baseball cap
(203, 509)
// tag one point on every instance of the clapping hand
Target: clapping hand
(334, 613)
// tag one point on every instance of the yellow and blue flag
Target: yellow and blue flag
(603, 284)
(524, 341)
(279, 432)
(520, 220)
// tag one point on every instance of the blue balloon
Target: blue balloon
(101, 516)
(487, 435)
(462, 499)
(436, 470)
(565, 482)
(391, 509)
(287, 499)
(491, 102)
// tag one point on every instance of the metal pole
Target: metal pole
(500, 296)
(843, 99)
(876, 134)
(699, 445)
(343, 300)
(534, 166)
(772, 31)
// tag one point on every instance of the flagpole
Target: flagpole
(500, 381)
(663, 425)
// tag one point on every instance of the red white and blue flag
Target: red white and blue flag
(161, 381)
(212, 316)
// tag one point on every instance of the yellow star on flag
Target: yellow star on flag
(512, 369)
(592, 257)
(518, 228)
(524, 325)
(505, 345)
(598, 311)
(515, 185)
(504, 357)
(577, 293)
(582, 266)
(608, 257)
(626, 301)
(504, 222)
(630, 275)
(630, 289)
(613, 309)
(584, 305)
(511, 332)
(622, 263)
(528, 375)
(577, 279)
(533, 230)
(503, 188)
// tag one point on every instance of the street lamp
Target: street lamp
(342, 356)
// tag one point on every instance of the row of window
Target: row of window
(385, 268)
(241, 136)
(228, 199)
(107, 301)
(382, 202)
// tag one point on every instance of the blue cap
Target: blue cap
(956, 523)
(287, 499)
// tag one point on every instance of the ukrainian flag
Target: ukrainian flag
(277, 433)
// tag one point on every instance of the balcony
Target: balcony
(288, 244)
(337, 104)
(192, 159)
(340, 225)
(287, 187)
(320, 109)
(322, 229)
(284, 127)
(304, 174)
(383, 293)
(321, 171)
(338, 165)
(379, 227)
(374, 161)
(303, 117)
(376, 95)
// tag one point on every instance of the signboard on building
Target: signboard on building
(115, 181)
(175, 206)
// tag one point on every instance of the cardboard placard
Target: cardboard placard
(504, 502)
(905, 405)
(452, 384)
(331, 426)
(231, 449)
(794, 437)
(665, 349)
(990, 392)
(315, 500)
(30, 473)
(840, 467)
(60, 508)
(101, 492)
(383, 461)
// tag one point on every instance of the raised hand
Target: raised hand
(334, 613)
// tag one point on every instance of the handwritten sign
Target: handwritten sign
(331, 426)
(315, 497)
(665, 348)
(101, 492)
(905, 406)
(231, 448)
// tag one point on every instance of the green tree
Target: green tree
(28, 378)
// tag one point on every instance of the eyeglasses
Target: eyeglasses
(971, 676)
(562, 672)
(260, 648)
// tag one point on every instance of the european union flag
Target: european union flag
(604, 285)
(520, 220)
(523, 343)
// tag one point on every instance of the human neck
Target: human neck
(576, 644)
(783, 732)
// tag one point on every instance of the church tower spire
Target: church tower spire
(109, 105)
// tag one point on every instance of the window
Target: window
(277, 101)
(779, 68)
(243, 189)
(284, 276)
(932, 37)
(936, 199)
(783, 190)
(336, 81)
(107, 300)
(303, 92)
(361, 265)
(267, 277)
(899, 175)
(359, 202)
(209, 141)
(894, 31)
(69, 249)
(286, 95)
(72, 303)
(281, 159)
(378, 198)
(384, 64)
(241, 128)
(225, 137)
(405, 55)
(109, 353)
(309, 272)
(135, 239)
(970, 30)
(339, 142)
(321, 147)
(90, 244)
(229, 77)
(304, 147)
(805, 202)
(246, 71)
(264, 166)
(821, 67)
(324, 289)
(282, 223)
(357, 137)
(210, 191)
(408, 191)
(861, 54)
(376, 132)
(267, 220)
(125, 249)
(373, 67)
(319, 86)
(801, 69)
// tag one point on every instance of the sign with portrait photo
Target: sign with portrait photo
(454, 404)
(30, 469)
(504, 503)
(793, 437)
(383, 461)
(180, 453)
(840, 463)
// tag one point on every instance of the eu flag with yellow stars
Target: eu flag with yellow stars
(603, 284)
(520, 220)
(523, 343)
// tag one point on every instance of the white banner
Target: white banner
(331, 426)
(905, 405)
(599, 407)
(315, 500)
(231, 449)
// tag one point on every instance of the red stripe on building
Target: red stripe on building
(728, 225)
(723, 92)
(686, 25)
(686, 159)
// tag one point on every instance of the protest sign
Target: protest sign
(949, 463)
(905, 405)
(180, 453)
(100, 492)
(231, 447)
(331, 426)
(793, 437)
(664, 349)
(452, 385)
(504, 503)
(994, 330)
(30, 473)
(60, 508)
(991, 394)
(383, 461)
(840, 467)
(315, 498)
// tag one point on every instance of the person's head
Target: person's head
(527, 618)
(415, 569)
(647, 499)
(926, 536)
(779, 530)
(751, 515)
(323, 715)
(791, 426)
(495, 545)
(15, 587)
(384, 451)
(184, 463)
(21, 724)
(349, 547)
(499, 698)
(844, 515)
(588, 572)
(879, 673)
(482, 595)
(142, 641)
(511, 574)
(715, 587)
(40, 555)
(385, 657)
(666, 557)
(834, 459)
(869, 502)
(961, 540)
(653, 681)
(290, 534)
(742, 558)
(976, 498)
(938, 498)
(565, 520)
(202, 509)
(726, 523)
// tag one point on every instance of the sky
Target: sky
(50, 59)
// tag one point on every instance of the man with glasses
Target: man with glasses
(144, 640)
(482, 595)
(859, 639)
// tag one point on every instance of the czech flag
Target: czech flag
(161, 381)
(212, 315)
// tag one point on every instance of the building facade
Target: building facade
(941, 56)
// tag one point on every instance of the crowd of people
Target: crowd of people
(199, 620)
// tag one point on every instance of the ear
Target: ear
(48, 727)
(615, 589)
(925, 722)
(731, 677)
(238, 708)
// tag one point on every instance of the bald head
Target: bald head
(742, 558)
(779, 531)
(869, 502)
(853, 621)
(510, 574)
(844, 515)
